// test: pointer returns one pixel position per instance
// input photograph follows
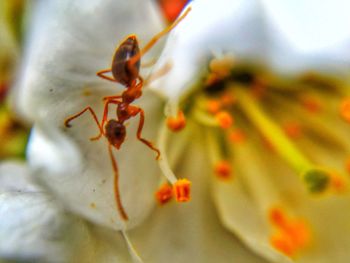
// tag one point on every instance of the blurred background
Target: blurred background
(15, 17)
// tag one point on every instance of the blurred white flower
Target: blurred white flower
(265, 204)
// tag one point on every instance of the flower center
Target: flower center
(236, 102)
(298, 121)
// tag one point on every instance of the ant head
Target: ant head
(115, 133)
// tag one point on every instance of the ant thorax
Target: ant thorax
(131, 93)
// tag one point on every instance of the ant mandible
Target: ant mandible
(125, 70)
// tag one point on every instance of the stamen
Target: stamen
(316, 179)
(283, 244)
(177, 123)
(227, 99)
(181, 187)
(224, 119)
(292, 129)
(338, 183)
(163, 161)
(182, 190)
(133, 253)
(292, 234)
(164, 194)
(219, 68)
(213, 106)
(221, 166)
(345, 109)
(222, 66)
(311, 104)
(223, 169)
(237, 136)
(277, 217)
(204, 118)
(320, 125)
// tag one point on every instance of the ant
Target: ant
(125, 70)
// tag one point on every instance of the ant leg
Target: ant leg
(149, 63)
(139, 130)
(140, 84)
(68, 120)
(101, 75)
(118, 201)
(112, 97)
(158, 36)
(160, 73)
(104, 118)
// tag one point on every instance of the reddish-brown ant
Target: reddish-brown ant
(125, 70)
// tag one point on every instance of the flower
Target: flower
(245, 188)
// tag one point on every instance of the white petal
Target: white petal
(308, 35)
(14, 176)
(33, 227)
(192, 232)
(289, 37)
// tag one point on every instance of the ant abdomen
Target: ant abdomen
(125, 70)
(115, 133)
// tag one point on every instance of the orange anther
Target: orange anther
(182, 190)
(291, 235)
(283, 244)
(338, 183)
(164, 194)
(227, 99)
(345, 109)
(237, 136)
(177, 123)
(277, 217)
(213, 106)
(292, 129)
(299, 232)
(222, 169)
(311, 104)
(224, 119)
